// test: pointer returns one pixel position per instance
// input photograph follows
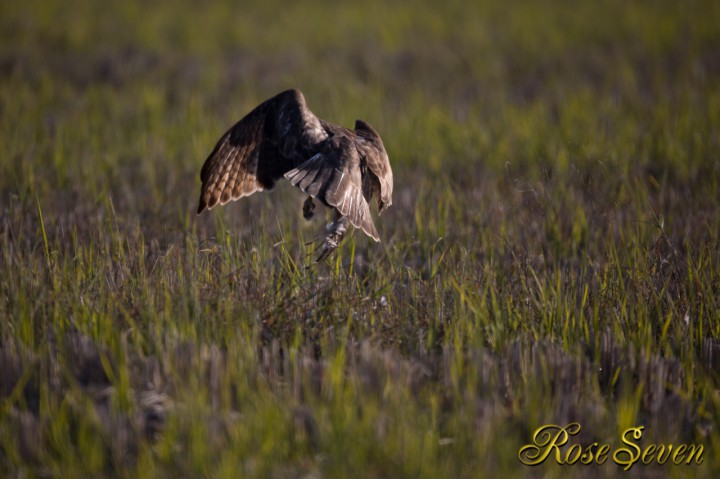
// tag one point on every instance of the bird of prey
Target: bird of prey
(343, 169)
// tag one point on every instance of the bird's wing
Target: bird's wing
(259, 149)
(333, 176)
(371, 146)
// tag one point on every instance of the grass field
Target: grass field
(552, 254)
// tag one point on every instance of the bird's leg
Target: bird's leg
(334, 234)
(308, 208)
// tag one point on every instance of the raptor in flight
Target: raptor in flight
(343, 169)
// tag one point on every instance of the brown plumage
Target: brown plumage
(342, 168)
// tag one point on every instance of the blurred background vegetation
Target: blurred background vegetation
(551, 254)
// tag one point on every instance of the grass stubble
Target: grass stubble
(551, 254)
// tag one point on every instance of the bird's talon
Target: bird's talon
(326, 251)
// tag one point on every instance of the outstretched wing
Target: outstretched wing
(333, 176)
(270, 140)
(371, 147)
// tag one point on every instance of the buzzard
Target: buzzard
(343, 169)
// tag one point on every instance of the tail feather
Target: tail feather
(308, 180)
(354, 206)
(320, 180)
(335, 188)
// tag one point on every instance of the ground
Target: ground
(551, 255)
